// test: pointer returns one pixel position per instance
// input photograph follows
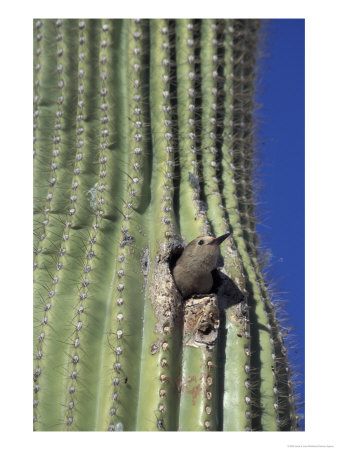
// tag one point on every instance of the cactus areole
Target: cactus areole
(143, 141)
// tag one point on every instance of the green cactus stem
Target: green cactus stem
(143, 140)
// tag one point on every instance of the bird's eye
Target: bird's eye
(201, 242)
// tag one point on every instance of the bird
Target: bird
(192, 272)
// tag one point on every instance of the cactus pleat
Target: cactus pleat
(143, 140)
(158, 393)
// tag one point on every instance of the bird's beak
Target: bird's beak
(219, 240)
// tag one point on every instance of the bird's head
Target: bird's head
(202, 253)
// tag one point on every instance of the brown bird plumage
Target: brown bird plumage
(192, 273)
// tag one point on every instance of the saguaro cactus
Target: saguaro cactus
(143, 141)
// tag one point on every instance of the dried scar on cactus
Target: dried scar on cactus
(201, 321)
(164, 295)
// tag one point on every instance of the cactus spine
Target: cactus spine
(143, 140)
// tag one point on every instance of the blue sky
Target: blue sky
(281, 147)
